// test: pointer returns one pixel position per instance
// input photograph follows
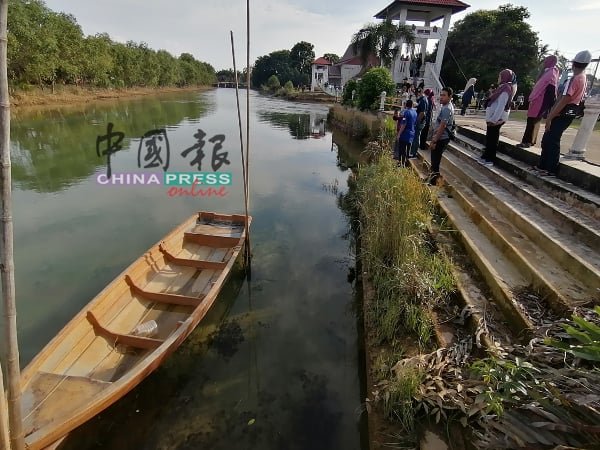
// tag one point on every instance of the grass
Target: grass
(398, 399)
(409, 279)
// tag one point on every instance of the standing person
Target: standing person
(541, 99)
(487, 95)
(496, 114)
(406, 132)
(428, 115)
(562, 114)
(468, 95)
(422, 107)
(441, 136)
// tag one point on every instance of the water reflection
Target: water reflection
(54, 151)
(300, 125)
(275, 364)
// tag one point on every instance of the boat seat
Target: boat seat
(172, 299)
(130, 340)
(196, 263)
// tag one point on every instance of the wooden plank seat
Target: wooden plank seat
(198, 264)
(211, 240)
(172, 299)
(125, 339)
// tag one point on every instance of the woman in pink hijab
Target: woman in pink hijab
(541, 99)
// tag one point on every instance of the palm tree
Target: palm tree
(380, 39)
(543, 51)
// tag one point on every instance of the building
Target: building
(325, 74)
(423, 16)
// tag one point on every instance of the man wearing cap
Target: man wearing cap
(422, 106)
(562, 114)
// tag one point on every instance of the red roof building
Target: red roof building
(321, 62)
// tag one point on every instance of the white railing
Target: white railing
(330, 90)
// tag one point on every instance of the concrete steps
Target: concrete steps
(520, 231)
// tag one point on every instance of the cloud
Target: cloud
(202, 27)
(586, 6)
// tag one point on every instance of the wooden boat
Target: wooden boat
(96, 358)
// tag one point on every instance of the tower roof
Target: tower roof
(321, 61)
(418, 9)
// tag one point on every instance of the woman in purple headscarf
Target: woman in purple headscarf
(541, 99)
(496, 114)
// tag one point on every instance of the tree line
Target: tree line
(46, 48)
(285, 66)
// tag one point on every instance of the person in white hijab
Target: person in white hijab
(468, 95)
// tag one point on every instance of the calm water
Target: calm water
(276, 364)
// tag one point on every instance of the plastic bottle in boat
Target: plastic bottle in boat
(146, 329)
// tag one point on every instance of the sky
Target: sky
(202, 27)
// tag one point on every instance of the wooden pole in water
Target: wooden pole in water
(247, 246)
(244, 174)
(7, 267)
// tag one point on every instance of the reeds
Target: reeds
(410, 277)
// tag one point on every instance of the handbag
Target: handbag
(574, 110)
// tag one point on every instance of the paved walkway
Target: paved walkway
(513, 129)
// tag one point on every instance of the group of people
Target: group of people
(545, 102)
(413, 128)
(413, 125)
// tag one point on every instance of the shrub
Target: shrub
(288, 87)
(373, 83)
(349, 87)
(273, 83)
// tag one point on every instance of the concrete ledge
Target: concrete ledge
(579, 173)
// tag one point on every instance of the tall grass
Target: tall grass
(408, 275)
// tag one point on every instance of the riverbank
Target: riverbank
(72, 95)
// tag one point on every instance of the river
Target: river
(277, 362)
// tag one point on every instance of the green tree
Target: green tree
(97, 62)
(69, 47)
(32, 42)
(45, 47)
(168, 68)
(273, 83)
(302, 55)
(485, 42)
(275, 63)
(372, 84)
(332, 58)
(380, 39)
(229, 76)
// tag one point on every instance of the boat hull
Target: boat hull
(97, 358)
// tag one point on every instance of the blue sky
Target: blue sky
(202, 27)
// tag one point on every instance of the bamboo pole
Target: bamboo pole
(7, 267)
(244, 175)
(247, 253)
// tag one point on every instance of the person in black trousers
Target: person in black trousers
(441, 135)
